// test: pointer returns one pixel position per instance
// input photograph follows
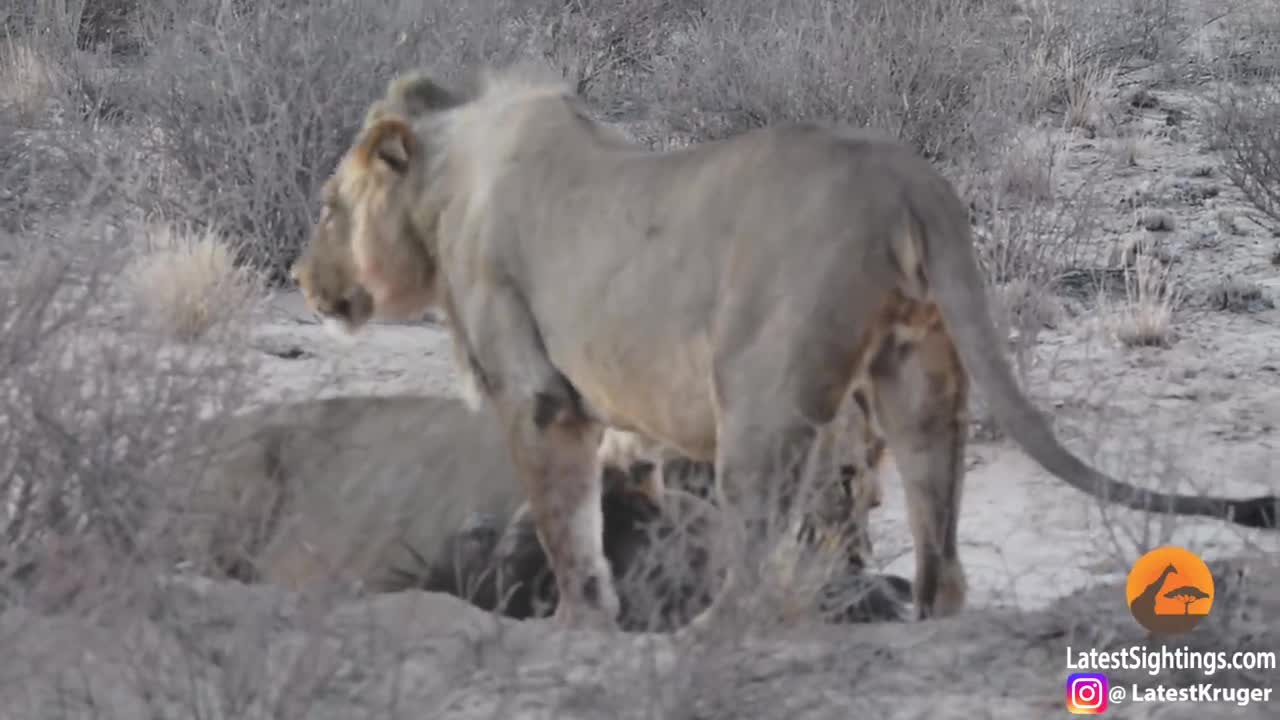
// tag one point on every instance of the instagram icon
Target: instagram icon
(1086, 693)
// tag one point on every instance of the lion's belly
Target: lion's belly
(660, 392)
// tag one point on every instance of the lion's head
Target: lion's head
(326, 275)
(371, 252)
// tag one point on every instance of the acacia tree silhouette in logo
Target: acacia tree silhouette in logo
(1186, 595)
(1161, 619)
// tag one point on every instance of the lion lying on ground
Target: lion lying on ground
(723, 300)
(364, 491)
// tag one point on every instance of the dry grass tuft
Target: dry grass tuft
(1089, 84)
(26, 81)
(1130, 149)
(187, 282)
(1144, 317)
(1028, 169)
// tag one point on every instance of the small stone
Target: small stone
(1157, 220)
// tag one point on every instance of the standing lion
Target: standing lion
(723, 300)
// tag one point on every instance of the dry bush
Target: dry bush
(256, 101)
(607, 49)
(1243, 108)
(1244, 125)
(1028, 169)
(87, 23)
(1144, 316)
(1033, 240)
(1246, 42)
(1232, 294)
(1131, 148)
(925, 72)
(86, 414)
(186, 282)
(1072, 52)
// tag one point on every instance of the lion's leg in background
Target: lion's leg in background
(920, 395)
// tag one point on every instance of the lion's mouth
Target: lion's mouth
(339, 328)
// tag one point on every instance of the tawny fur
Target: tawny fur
(723, 299)
(333, 492)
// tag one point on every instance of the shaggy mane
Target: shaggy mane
(481, 125)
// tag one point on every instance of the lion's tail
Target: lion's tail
(954, 278)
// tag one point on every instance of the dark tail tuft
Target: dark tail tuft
(1259, 512)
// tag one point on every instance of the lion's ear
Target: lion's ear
(418, 94)
(390, 142)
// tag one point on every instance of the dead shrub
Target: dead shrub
(186, 282)
(1129, 149)
(1029, 167)
(1071, 52)
(607, 48)
(84, 415)
(1232, 294)
(1244, 126)
(257, 103)
(924, 72)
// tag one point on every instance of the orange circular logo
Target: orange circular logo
(1170, 590)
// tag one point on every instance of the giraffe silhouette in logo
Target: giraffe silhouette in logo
(1143, 606)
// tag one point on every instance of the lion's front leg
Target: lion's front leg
(554, 446)
(557, 460)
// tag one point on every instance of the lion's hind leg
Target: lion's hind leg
(919, 394)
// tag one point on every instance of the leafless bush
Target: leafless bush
(1233, 294)
(89, 23)
(608, 49)
(86, 413)
(255, 102)
(1071, 52)
(920, 71)
(1244, 124)
(86, 404)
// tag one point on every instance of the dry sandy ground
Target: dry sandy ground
(218, 651)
